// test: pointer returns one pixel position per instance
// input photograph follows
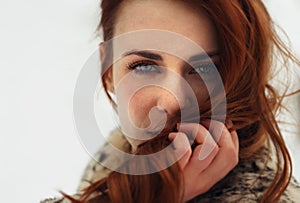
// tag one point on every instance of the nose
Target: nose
(173, 99)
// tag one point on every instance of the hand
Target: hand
(215, 154)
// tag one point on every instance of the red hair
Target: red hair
(248, 42)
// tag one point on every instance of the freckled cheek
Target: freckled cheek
(139, 108)
(201, 92)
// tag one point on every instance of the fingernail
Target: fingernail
(228, 123)
(171, 136)
(178, 126)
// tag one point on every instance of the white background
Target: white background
(43, 46)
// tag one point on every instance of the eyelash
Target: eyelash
(212, 67)
(133, 67)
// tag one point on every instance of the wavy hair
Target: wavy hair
(248, 43)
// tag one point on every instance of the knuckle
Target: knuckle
(180, 134)
(189, 152)
(216, 122)
(230, 151)
(200, 128)
(219, 124)
(217, 148)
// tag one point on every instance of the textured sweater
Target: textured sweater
(245, 183)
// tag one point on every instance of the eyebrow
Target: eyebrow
(145, 54)
(203, 56)
(154, 56)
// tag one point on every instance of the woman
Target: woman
(245, 159)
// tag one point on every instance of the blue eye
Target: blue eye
(204, 68)
(143, 67)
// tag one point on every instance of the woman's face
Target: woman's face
(152, 107)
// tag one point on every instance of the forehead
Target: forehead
(170, 15)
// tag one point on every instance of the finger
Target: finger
(182, 147)
(221, 165)
(235, 139)
(227, 157)
(202, 156)
(196, 130)
(207, 149)
(202, 136)
(228, 124)
(219, 132)
(234, 135)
